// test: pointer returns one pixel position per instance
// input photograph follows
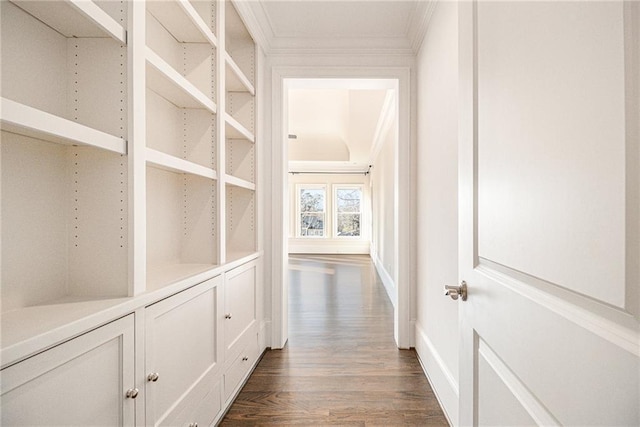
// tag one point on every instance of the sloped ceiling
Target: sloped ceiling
(333, 125)
(333, 26)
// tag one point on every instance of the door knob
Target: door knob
(457, 291)
(132, 393)
(153, 377)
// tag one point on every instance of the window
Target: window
(311, 207)
(348, 210)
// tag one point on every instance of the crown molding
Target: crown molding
(417, 28)
(257, 21)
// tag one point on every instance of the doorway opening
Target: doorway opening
(342, 173)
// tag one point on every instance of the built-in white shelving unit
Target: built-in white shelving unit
(129, 181)
(64, 170)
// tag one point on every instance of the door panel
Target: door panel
(551, 143)
(550, 332)
(81, 382)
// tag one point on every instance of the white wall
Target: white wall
(329, 245)
(383, 248)
(437, 216)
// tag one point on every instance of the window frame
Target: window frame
(299, 188)
(336, 188)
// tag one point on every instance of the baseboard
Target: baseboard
(387, 281)
(264, 334)
(327, 246)
(439, 376)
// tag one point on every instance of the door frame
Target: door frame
(404, 187)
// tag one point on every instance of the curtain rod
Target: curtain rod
(333, 173)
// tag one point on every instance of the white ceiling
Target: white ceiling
(334, 122)
(330, 26)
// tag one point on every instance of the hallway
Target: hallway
(340, 365)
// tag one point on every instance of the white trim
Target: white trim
(442, 382)
(536, 409)
(403, 333)
(328, 246)
(386, 278)
(617, 334)
(259, 24)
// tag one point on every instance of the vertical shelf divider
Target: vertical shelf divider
(222, 141)
(136, 148)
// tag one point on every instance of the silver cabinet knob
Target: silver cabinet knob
(245, 358)
(153, 377)
(132, 393)
(457, 291)
(227, 316)
(193, 424)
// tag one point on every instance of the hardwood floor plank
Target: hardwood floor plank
(341, 365)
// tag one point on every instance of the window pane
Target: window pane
(348, 199)
(348, 224)
(312, 224)
(312, 200)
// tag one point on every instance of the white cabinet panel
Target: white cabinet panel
(241, 367)
(180, 348)
(240, 308)
(82, 382)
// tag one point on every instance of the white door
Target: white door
(549, 219)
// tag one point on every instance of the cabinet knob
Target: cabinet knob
(132, 393)
(245, 358)
(227, 316)
(193, 424)
(153, 377)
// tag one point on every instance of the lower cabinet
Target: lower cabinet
(240, 367)
(86, 381)
(182, 357)
(196, 347)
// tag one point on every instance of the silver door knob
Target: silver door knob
(132, 393)
(153, 377)
(227, 316)
(457, 291)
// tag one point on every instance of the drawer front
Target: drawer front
(200, 406)
(180, 346)
(240, 367)
(78, 383)
(240, 307)
(209, 407)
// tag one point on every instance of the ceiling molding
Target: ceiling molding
(256, 17)
(420, 22)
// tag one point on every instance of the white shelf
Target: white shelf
(161, 276)
(235, 130)
(28, 121)
(75, 18)
(237, 182)
(173, 86)
(236, 79)
(181, 19)
(175, 164)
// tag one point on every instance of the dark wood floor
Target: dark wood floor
(340, 366)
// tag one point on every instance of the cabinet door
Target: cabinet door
(82, 382)
(240, 308)
(181, 350)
